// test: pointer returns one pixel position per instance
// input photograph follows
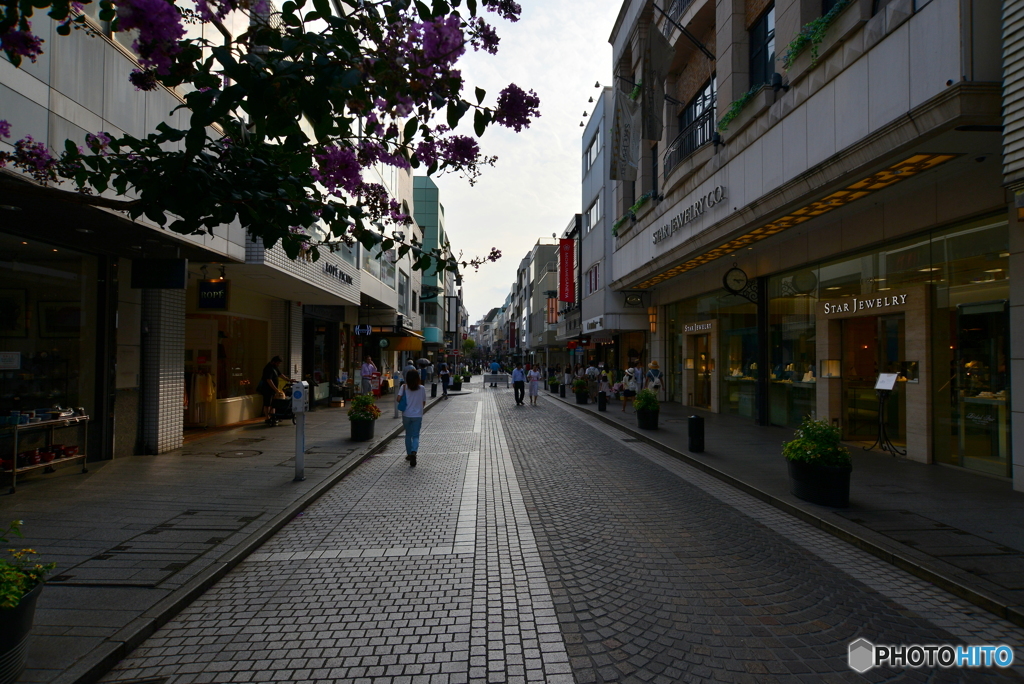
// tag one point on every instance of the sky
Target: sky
(559, 48)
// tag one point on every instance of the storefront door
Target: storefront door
(872, 345)
(701, 371)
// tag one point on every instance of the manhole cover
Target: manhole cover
(238, 454)
(198, 453)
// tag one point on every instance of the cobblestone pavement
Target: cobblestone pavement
(684, 579)
(534, 544)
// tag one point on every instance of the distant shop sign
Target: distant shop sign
(335, 272)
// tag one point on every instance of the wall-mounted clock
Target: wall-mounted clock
(735, 280)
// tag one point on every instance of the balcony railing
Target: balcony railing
(689, 140)
(674, 12)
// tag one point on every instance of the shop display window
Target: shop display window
(232, 350)
(48, 316)
(792, 377)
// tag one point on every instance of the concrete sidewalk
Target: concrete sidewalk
(960, 530)
(138, 539)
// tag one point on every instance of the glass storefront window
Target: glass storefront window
(792, 377)
(231, 349)
(47, 308)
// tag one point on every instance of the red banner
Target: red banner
(567, 270)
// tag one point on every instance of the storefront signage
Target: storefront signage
(363, 329)
(690, 213)
(593, 324)
(334, 271)
(10, 360)
(566, 270)
(854, 304)
(697, 327)
(213, 294)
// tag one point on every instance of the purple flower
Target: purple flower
(338, 168)
(33, 158)
(143, 80)
(506, 8)
(23, 43)
(160, 29)
(218, 9)
(484, 36)
(442, 40)
(5, 129)
(98, 143)
(515, 108)
(461, 150)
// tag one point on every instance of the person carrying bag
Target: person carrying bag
(412, 397)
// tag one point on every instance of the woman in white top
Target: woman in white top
(533, 377)
(412, 417)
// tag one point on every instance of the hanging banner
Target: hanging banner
(625, 138)
(567, 270)
(657, 59)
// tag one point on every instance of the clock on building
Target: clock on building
(735, 280)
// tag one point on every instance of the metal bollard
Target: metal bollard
(561, 391)
(433, 390)
(602, 401)
(696, 428)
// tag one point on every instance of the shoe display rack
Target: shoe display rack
(19, 462)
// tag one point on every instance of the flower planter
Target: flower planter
(582, 397)
(15, 625)
(456, 386)
(822, 485)
(647, 420)
(362, 430)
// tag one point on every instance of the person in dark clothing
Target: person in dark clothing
(269, 388)
(519, 383)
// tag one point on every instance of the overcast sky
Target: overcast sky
(559, 48)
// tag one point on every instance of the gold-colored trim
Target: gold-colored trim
(877, 181)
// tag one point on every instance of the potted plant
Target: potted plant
(466, 377)
(819, 465)
(581, 389)
(553, 384)
(647, 408)
(21, 582)
(363, 413)
(456, 383)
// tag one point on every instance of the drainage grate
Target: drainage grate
(238, 454)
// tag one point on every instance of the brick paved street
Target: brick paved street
(536, 544)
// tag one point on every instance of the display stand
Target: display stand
(884, 386)
(49, 426)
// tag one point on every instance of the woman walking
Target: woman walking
(415, 395)
(533, 377)
(446, 377)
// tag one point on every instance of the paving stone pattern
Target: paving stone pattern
(655, 580)
(398, 575)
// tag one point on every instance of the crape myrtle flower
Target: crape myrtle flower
(143, 80)
(5, 129)
(515, 108)
(483, 36)
(160, 28)
(507, 9)
(98, 143)
(338, 169)
(23, 43)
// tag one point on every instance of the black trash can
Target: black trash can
(433, 390)
(602, 401)
(561, 391)
(696, 440)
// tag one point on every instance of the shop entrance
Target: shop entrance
(701, 355)
(872, 345)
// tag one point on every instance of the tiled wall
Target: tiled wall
(163, 348)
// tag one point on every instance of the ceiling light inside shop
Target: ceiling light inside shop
(1004, 254)
(883, 289)
(896, 173)
(834, 288)
(994, 270)
(928, 270)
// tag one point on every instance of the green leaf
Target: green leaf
(71, 148)
(424, 11)
(480, 94)
(471, 6)
(323, 7)
(479, 122)
(410, 129)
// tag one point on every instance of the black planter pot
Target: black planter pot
(582, 397)
(456, 386)
(822, 485)
(362, 430)
(647, 420)
(15, 625)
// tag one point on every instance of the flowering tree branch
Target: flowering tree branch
(377, 85)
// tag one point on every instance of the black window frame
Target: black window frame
(762, 48)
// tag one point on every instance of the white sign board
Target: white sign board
(10, 360)
(886, 381)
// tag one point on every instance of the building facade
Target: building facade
(808, 223)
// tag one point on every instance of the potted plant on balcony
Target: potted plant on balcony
(21, 582)
(581, 389)
(819, 465)
(553, 384)
(363, 413)
(647, 409)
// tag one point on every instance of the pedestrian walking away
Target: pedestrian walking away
(495, 369)
(446, 378)
(519, 383)
(534, 377)
(270, 389)
(414, 396)
(368, 369)
(629, 386)
(593, 377)
(653, 376)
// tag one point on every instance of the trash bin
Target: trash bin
(433, 390)
(696, 438)
(602, 401)
(561, 391)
